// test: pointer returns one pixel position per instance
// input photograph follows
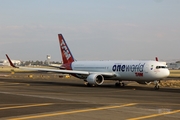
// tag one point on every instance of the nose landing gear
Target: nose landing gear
(157, 85)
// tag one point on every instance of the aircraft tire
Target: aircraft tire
(156, 87)
(89, 85)
(122, 84)
(117, 84)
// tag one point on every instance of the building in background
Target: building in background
(47, 62)
(6, 62)
(175, 65)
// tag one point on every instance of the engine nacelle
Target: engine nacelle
(95, 79)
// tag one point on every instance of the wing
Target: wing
(59, 70)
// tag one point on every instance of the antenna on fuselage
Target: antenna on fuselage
(156, 58)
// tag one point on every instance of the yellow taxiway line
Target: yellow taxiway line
(154, 115)
(72, 112)
(25, 106)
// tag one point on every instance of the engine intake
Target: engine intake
(95, 79)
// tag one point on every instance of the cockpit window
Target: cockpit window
(158, 67)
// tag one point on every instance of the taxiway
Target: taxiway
(50, 97)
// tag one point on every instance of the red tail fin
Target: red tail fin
(67, 57)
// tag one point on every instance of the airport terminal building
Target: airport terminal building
(6, 62)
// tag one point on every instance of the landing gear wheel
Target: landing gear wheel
(156, 87)
(89, 85)
(117, 84)
(122, 84)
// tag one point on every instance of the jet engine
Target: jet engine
(95, 79)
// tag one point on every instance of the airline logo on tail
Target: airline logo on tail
(65, 51)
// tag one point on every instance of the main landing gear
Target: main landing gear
(156, 85)
(119, 84)
(87, 84)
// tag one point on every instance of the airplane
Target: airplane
(95, 72)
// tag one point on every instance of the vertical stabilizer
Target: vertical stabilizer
(67, 57)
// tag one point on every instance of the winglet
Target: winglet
(11, 62)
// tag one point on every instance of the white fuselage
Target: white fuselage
(125, 70)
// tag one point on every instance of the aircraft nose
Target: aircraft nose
(167, 73)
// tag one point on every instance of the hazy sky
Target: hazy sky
(93, 29)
